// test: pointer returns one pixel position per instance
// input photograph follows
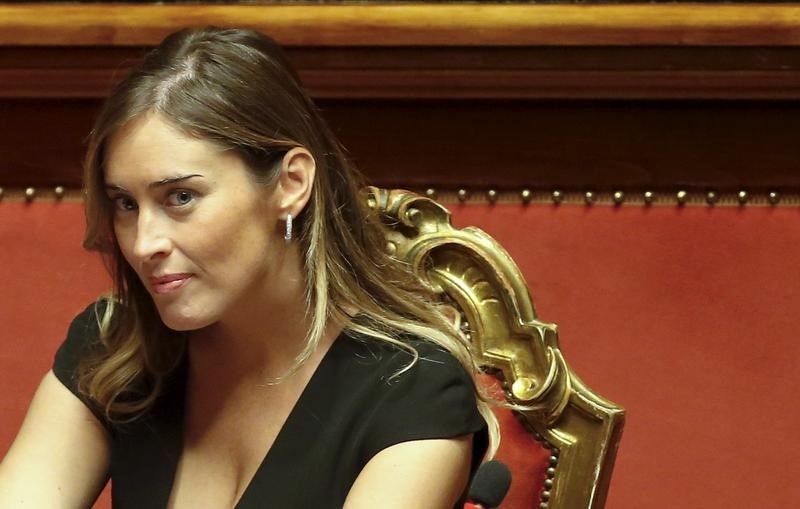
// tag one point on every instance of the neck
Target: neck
(263, 348)
(262, 334)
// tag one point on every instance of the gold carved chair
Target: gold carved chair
(578, 430)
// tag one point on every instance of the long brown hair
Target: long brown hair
(235, 87)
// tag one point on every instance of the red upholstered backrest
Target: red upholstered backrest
(47, 278)
(688, 318)
(685, 316)
(526, 457)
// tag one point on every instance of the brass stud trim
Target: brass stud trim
(773, 197)
(617, 197)
(32, 193)
(743, 197)
(681, 197)
(550, 473)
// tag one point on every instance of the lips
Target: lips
(169, 282)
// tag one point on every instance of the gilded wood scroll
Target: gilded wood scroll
(477, 274)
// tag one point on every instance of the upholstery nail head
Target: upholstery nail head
(743, 197)
(774, 197)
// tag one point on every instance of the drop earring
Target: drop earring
(288, 235)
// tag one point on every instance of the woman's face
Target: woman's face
(191, 221)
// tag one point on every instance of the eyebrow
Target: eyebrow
(158, 183)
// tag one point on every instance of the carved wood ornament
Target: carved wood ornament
(473, 271)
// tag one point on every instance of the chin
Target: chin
(183, 320)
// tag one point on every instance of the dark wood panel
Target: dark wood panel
(457, 95)
(503, 144)
(574, 144)
(42, 141)
(443, 72)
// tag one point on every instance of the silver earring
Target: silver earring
(288, 235)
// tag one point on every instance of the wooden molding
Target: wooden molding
(635, 96)
(411, 24)
(441, 51)
(452, 73)
(502, 84)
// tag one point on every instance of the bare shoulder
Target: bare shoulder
(60, 456)
(425, 474)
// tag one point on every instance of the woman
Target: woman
(259, 349)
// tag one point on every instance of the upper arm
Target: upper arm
(60, 456)
(423, 474)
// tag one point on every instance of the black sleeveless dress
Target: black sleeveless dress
(350, 410)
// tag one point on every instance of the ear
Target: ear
(295, 181)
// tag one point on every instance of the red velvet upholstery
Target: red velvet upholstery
(526, 457)
(686, 317)
(47, 278)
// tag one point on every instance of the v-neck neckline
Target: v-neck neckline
(172, 429)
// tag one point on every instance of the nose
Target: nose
(152, 236)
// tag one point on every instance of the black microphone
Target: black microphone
(489, 486)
